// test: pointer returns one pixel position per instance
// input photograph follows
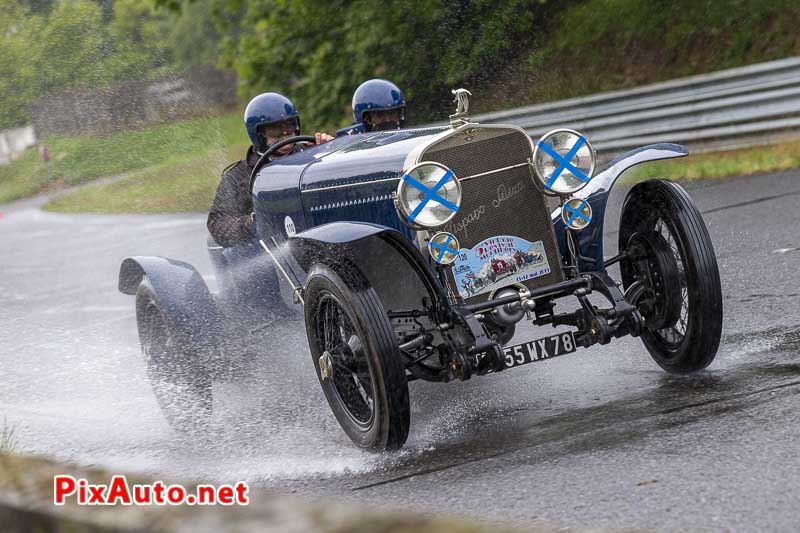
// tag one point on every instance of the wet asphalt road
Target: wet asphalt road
(600, 438)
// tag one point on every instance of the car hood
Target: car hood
(371, 157)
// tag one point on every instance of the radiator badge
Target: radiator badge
(496, 262)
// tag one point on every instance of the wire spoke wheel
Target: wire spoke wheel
(676, 332)
(670, 252)
(182, 389)
(350, 374)
(357, 358)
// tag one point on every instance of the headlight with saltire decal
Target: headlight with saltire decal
(428, 195)
(563, 161)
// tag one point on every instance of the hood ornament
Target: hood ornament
(461, 116)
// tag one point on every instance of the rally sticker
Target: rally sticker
(288, 225)
(498, 262)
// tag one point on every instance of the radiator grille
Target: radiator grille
(501, 203)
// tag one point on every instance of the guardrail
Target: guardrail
(747, 106)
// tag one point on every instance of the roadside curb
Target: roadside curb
(26, 504)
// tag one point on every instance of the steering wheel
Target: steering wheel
(266, 157)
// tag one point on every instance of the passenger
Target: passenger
(378, 105)
(250, 285)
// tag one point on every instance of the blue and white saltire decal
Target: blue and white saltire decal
(430, 194)
(576, 212)
(565, 162)
(443, 248)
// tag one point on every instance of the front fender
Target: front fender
(181, 292)
(596, 193)
(391, 262)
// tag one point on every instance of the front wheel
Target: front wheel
(670, 272)
(357, 359)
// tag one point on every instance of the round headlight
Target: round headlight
(443, 248)
(428, 195)
(563, 161)
(576, 213)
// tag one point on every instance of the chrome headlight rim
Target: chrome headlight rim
(537, 151)
(443, 248)
(576, 213)
(406, 217)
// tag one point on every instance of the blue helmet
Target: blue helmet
(268, 108)
(377, 95)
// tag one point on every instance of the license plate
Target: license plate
(539, 349)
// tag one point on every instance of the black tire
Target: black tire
(689, 339)
(367, 388)
(181, 386)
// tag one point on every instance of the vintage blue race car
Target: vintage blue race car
(412, 254)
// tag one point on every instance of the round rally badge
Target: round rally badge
(288, 223)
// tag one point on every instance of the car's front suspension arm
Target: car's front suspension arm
(556, 290)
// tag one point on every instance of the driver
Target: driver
(378, 105)
(244, 278)
(268, 118)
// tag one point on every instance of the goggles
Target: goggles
(279, 129)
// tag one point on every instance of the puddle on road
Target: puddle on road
(94, 405)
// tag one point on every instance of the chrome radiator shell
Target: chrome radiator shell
(500, 195)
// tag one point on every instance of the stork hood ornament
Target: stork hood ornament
(461, 116)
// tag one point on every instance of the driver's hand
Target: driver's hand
(322, 138)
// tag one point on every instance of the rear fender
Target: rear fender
(182, 293)
(597, 192)
(391, 263)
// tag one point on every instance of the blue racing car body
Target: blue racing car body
(414, 253)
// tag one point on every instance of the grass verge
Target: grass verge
(189, 184)
(8, 441)
(716, 165)
(77, 160)
(182, 184)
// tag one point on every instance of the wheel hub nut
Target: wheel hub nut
(325, 365)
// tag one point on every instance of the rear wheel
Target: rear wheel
(181, 386)
(671, 274)
(357, 359)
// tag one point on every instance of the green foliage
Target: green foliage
(137, 36)
(614, 44)
(319, 52)
(192, 36)
(48, 47)
(18, 41)
(69, 46)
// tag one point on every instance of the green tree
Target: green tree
(18, 44)
(48, 47)
(192, 35)
(137, 40)
(318, 52)
(72, 47)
